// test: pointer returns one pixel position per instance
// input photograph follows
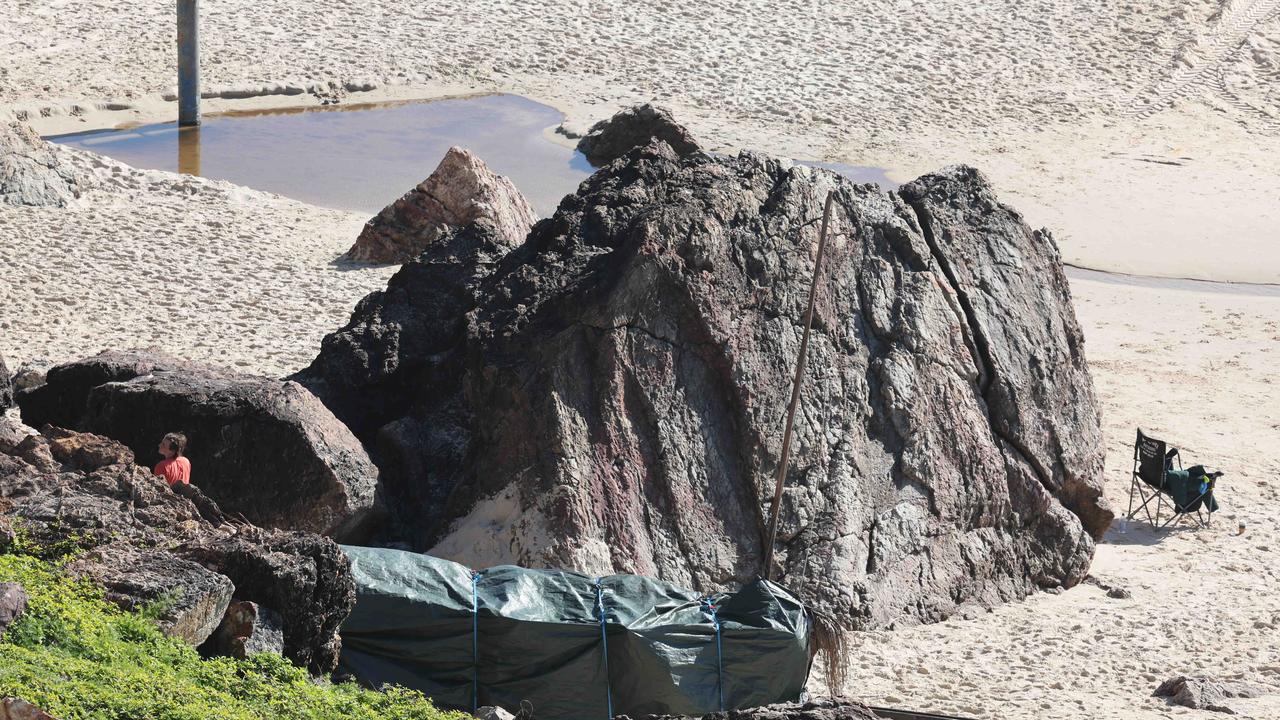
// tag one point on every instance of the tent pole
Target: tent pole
(795, 392)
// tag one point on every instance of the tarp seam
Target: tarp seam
(604, 647)
(715, 621)
(475, 642)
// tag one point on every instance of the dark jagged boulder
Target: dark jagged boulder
(632, 128)
(112, 504)
(610, 396)
(60, 400)
(265, 448)
(30, 171)
(461, 190)
(368, 372)
(6, 387)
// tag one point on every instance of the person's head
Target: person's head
(173, 445)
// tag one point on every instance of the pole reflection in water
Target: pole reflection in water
(189, 150)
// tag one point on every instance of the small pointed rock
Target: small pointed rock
(462, 190)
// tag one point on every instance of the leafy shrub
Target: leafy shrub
(78, 656)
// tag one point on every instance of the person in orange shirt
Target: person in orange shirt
(174, 468)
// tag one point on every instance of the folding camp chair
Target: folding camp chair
(1189, 493)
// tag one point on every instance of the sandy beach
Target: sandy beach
(1145, 135)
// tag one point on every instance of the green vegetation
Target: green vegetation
(77, 656)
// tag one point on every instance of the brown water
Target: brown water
(362, 157)
(356, 157)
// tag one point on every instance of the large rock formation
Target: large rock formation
(633, 128)
(461, 190)
(610, 396)
(138, 534)
(30, 171)
(267, 449)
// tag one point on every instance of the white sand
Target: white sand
(1050, 98)
(204, 269)
(1062, 104)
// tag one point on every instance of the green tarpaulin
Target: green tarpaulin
(571, 645)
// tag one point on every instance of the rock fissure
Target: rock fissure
(986, 364)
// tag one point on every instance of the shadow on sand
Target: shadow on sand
(1140, 532)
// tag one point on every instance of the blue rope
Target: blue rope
(715, 620)
(604, 646)
(475, 642)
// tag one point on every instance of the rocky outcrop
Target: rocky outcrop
(6, 387)
(12, 708)
(13, 602)
(7, 536)
(136, 531)
(610, 396)
(462, 190)
(61, 398)
(264, 448)
(822, 709)
(30, 374)
(30, 171)
(1207, 694)
(189, 599)
(632, 128)
(368, 373)
(247, 629)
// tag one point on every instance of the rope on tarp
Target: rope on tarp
(475, 642)
(604, 646)
(710, 607)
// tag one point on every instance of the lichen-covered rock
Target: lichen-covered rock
(632, 128)
(120, 504)
(461, 190)
(30, 171)
(12, 708)
(191, 599)
(247, 629)
(13, 602)
(264, 448)
(610, 396)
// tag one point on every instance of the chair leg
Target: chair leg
(1145, 505)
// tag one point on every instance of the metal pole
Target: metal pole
(795, 392)
(188, 62)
